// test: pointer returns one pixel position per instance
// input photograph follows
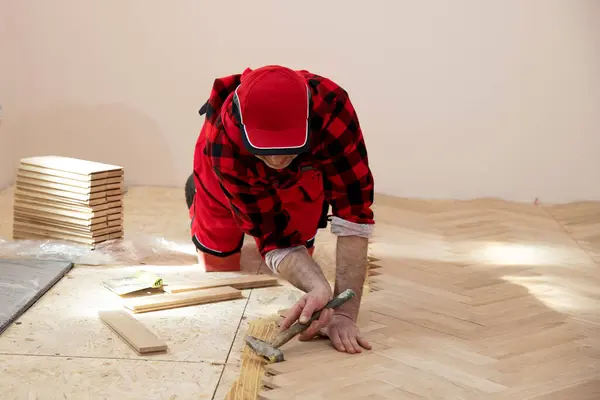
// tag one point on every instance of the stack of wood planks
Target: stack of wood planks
(68, 199)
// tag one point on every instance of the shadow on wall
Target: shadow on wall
(110, 133)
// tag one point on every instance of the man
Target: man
(277, 148)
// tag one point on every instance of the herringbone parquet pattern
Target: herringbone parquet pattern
(471, 300)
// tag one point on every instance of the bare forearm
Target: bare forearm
(351, 271)
(303, 272)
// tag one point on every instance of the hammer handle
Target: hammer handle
(298, 328)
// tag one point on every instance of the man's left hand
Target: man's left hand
(345, 335)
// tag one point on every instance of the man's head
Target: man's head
(272, 103)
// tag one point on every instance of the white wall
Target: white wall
(6, 153)
(6, 174)
(457, 99)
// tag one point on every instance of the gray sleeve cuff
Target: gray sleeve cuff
(341, 227)
(274, 257)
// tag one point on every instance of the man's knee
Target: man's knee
(219, 261)
(190, 191)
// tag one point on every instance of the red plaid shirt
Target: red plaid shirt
(338, 151)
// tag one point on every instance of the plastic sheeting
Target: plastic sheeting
(142, 250)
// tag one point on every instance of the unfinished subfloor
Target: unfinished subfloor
(474, 300)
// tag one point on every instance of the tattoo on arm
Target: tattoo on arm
(351, 271)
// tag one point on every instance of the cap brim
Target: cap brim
(266, 143)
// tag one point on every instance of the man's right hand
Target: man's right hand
(303, 272)
(311, 302)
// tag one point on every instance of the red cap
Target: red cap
(273, 104)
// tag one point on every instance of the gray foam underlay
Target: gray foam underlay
(23, 282)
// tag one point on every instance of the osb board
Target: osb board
(62, 377)
(66, 322)
(249, 382)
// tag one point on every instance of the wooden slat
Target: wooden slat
(71, 165)
(91, 234)
(68, 195)
(93, 226)
(34, 208)
(239, 282)
(55, 218)
(67, 181)
(64, 200)
(20, 198)
(167, 301)
(133, 332)
(67, 187)
(40, 234)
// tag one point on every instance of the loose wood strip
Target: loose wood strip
(240, 282)
(133, 332)
(167, 301)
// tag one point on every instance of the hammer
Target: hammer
(271, 352)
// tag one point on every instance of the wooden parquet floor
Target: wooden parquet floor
(469, 300)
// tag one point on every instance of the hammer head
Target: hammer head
(264, 349)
